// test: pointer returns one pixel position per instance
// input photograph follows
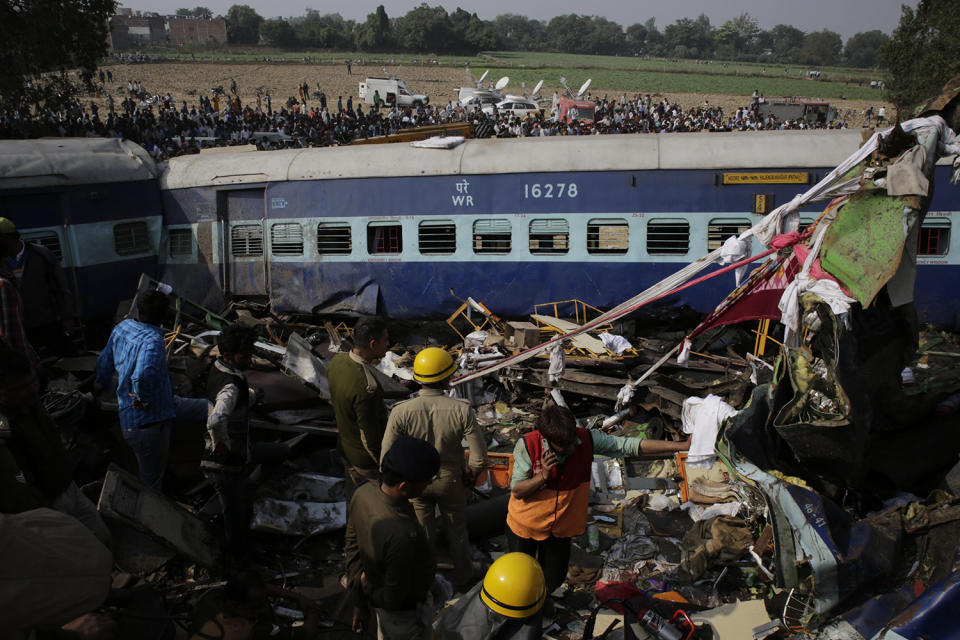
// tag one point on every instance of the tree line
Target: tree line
(432, 30)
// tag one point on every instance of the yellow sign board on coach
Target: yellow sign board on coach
(797, 177)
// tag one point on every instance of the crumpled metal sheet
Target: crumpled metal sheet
(295, 518)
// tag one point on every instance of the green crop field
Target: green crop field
(628, 73)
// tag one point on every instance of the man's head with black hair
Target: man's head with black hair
(18, 382)
(236, 345)
(371, 338)
(559, 426)
(152, 307)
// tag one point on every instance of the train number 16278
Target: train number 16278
(551, 190)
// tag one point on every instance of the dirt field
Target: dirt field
(189, 81)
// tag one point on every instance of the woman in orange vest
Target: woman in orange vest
(550, 488)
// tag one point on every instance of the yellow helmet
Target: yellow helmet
(433, 365)
(514, 586)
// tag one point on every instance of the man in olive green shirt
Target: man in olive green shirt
(389, 564)
(357, 400)
(444, 422)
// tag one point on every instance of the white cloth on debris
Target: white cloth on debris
(734, 250)
(558, 362)
(700, 512)
(624, 396)
(439, 142)
(615, 343)
(702, 418)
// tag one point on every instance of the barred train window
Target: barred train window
(47, 239)
(181, 242)
(491, 236)
(286, 239)
(437, 237)
(804, 224)
(130, 238)
(668, 237)
(608, 236)
(333, 238)
(934, 237)
(384, 237)
(246, 241)
(549, 236)
(720, 229)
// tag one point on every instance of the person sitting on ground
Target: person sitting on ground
(505, 605)
(550, 487)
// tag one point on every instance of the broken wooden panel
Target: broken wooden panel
(128, 500)
(580, 341)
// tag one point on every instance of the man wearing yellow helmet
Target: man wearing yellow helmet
(504, 606)
(443, 422)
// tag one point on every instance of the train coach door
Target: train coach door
(241, 215)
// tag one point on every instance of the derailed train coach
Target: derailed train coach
(392, 228)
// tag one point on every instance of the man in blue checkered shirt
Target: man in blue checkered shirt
(136, 352)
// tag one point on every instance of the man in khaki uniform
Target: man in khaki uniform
(443, 422)
(357, 400)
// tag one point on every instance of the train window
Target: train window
(286, 239)
(130, 238)
(181, 242)
(934, 237)
(720, 229)
(804, 224)
(47, 239)
(608, 236)
(246, 241)
(333, 238)
(491, 236)
(437, 237)
(384, 237)
(549, 236)
(668, 237)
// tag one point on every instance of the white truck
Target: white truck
(392, 91)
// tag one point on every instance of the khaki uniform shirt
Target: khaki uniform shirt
(443, 422)
(385, 541)
(357, 400)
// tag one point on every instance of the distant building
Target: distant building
(130, 30)
(186, 30)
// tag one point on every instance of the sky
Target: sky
(846, 17)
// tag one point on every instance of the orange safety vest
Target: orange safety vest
(559, 509)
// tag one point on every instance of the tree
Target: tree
(278, 33)
(738, 36)
(519, 33)
(636, 39)
(471, 34)
(605, 38)
(243, 25)
(376, 33)
(786, 43)
(196, 12)
(688, 38)
(568, 33)
(328, 31)
(49, 37)
(425, 30)
(924, 52)
(821, 48)
(862, 48)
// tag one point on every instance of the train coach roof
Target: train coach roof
(758, 150)
(60, 161)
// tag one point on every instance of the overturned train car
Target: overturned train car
(391, 228)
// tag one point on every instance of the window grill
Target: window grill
(668, 237)
(333, 238)
(610, 236)
(47, 239)
(246, 241)
(384, 238)
(720, 229)
(130, 238)
(437, 237)
(549, 236)
(934, 238)
(286, 239)
(492, 236)
(181, 242)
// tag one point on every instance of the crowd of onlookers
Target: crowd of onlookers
(168, 128)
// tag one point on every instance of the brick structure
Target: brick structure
(185, 30)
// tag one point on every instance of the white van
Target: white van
(392, 91)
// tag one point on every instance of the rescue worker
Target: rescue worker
(505, 605)
(228, 434)
(444, 422)
(48, 311)
(550, 487)
(388, 560)
(357, 400)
